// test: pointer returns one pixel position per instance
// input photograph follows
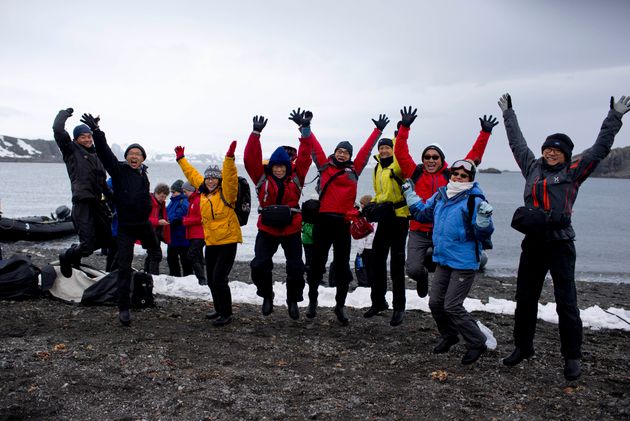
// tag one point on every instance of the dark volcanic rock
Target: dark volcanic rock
(60, 361)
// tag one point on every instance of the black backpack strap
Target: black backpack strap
(225, 201)
(417, 173)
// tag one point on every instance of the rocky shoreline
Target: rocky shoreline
(59, 361)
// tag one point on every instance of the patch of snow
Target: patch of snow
(28, 148)
(188, 287)
(5, 153)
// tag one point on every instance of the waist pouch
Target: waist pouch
(277, 216)
(535, 221)
(379, 212)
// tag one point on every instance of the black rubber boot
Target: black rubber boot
(517, 356)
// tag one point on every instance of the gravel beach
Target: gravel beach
(60, 361)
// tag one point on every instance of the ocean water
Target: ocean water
(600, 214)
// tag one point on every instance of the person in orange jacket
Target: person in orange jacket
(222, 231)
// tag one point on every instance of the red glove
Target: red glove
(179, 152)
(230, 152)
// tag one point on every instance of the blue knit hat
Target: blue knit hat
(280, 157)
(81, 129)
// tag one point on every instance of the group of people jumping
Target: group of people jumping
(417, 207)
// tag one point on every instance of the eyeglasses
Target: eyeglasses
(551, 150)
(466, 165)
(433, 157)
(342, 152)
(460, 175)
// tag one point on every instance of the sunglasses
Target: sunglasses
(466, 165)
(433, 157)
(460, 174)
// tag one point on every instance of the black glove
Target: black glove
(60, 120)
(301, 118)
(382, 122)
(407, 116)
(259, 123)
(90, 121)
(487, 124)
(296, 116)
(306, 119)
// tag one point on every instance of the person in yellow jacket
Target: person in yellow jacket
(219, 189)
(389, 209)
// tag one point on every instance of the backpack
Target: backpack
(18, 278)
(142, 290)
(243, 205)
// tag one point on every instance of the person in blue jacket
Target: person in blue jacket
(177, 250)
(458, 234)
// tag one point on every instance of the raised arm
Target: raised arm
(192, 175)
(610, 127)
(522, 154)
(103, 151)
(479, 147)
(364, 153)
(401, 147)
(62, 137)
(303, 120)
(303, 160)
(229, 180)
(253, 150)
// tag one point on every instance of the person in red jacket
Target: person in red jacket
(337, 187)
(279, 187)
(194, 234)
(159, 221)
(427, 177)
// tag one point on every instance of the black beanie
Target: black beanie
(559, 141)
(385, 141)
(435, 147)
(178, 186)
(344, 145)
(136, 146)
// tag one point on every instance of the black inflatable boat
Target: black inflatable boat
(38, 228)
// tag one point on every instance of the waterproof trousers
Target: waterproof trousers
(219, 262)
(449, 289)
(177, 259)
(195, 257)
(390, 238)
(417, 246)
(262, 264)
(330, 230)
(93, 224)
(127, 237)
(537, 258)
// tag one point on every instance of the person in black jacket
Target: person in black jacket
(90, 215)
(551, 187)
(133, 203)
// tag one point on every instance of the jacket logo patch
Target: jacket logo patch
(556, 179)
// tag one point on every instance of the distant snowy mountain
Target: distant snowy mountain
(14, 149)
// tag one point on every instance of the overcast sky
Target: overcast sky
(164, 73)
